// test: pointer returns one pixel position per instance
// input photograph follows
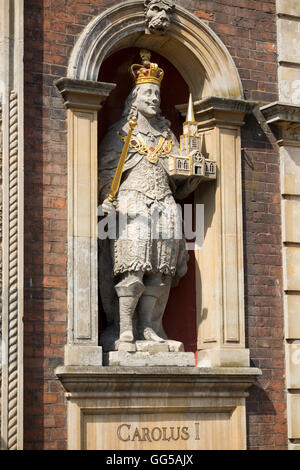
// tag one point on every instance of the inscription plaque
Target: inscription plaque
(159, 431)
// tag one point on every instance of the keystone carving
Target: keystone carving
(158, 15)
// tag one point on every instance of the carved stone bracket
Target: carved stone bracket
(83, 94)
(215, 110)
(285, 122)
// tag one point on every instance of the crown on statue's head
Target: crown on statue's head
(146, 72)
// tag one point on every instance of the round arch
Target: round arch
(190, 45)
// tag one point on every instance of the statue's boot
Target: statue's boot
(129, 294)
(146, 307)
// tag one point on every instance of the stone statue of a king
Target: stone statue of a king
(146, 255)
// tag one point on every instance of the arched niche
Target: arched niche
(210, 73)
(190, 45)
(174, 90)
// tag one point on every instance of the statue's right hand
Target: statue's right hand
(108, 207)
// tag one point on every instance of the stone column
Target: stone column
(219, 262)
(83, 100)
(285, 121)
(11, 91)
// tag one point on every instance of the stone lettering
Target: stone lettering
(126, 432)
(156, 436)
(137, 436)
(146, 434)
(119, 432)
(185, 434)
(197, 438)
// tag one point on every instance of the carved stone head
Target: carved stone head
(158, 15)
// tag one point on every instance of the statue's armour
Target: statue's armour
(147, 178)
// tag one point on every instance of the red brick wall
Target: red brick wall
(248, 29)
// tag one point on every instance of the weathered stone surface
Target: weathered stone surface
(292, 312)
(293, 407)
(291, 220)
(291, 271)
(224, 357)
(151, 347)
(77, 355)
(289, 40)
(289, 84)
(290, 170)
(127, 347)
(288, 7)
(293, 372)
(145, 359)
(294, 446)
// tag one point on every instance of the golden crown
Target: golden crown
(147, 72)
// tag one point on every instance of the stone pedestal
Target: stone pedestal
(160, 408)
(145, 359)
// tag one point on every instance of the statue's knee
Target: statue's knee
(130, 286)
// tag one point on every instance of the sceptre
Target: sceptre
(118, 174)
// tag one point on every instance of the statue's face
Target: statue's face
(148, 99)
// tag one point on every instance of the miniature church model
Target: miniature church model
(191, 162)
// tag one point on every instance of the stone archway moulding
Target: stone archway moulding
(192, 47)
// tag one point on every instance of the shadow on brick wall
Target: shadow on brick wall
(266, 420)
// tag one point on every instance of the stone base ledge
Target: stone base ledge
(158, 407)
(78, 355)
(223, 357)
(146, 359)
(156, 380)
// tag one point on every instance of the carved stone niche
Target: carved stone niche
(123, 407)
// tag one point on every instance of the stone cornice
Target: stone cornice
(277, 112)
(227, 104)
(83, 94)
(217, 110)
(156, 381)
(284, 118)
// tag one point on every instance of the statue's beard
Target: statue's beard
(158, 24)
